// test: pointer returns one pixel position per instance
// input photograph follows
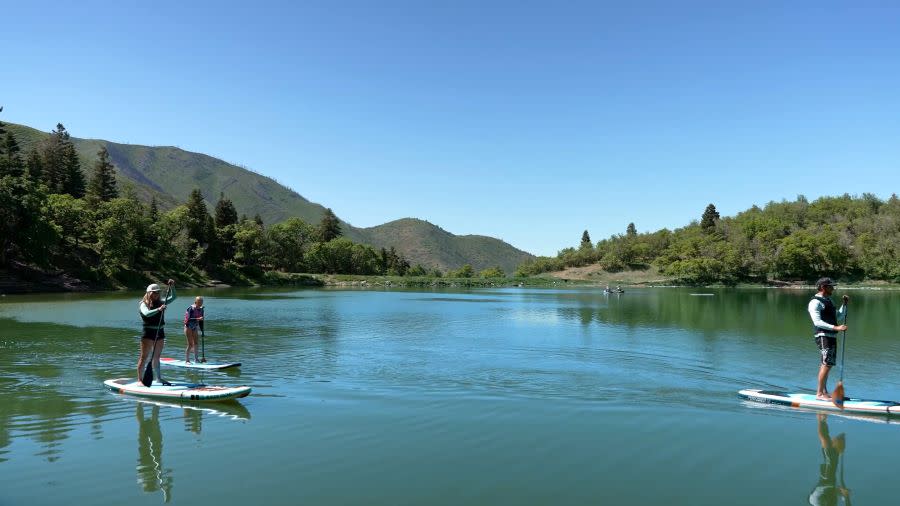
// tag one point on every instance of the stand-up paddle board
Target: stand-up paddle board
(197, 365)
(177, 390)
(809, 401)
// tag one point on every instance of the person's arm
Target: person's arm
(815, 312)
(171, 296)
(146, 311)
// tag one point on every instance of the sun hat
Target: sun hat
(153, 288)
(824, 282)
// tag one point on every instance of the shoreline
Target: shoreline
(10, 284)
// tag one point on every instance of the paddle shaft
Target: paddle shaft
(844, 342)
(147, 378)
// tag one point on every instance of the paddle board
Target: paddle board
(197, 365)
(800, 400)
(177, 390)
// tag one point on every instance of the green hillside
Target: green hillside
(171, 173)
(424, 243)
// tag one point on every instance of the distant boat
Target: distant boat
(613, 291)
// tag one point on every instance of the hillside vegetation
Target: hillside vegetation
(845, 237)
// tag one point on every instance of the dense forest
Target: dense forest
(846, 237)
(55, 217)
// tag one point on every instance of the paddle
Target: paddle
(202, 335)
(147, 378)
(837, 397)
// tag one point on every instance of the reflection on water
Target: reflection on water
(829, 490)
(151, 475)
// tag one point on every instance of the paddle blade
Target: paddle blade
(837, 396)
(147, 378)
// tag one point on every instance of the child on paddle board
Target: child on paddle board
(193, 319)
(825, 319)
(152, 310)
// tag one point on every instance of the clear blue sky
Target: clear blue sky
(526, 121)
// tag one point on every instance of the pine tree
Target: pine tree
(34, 166)
(710, 217)
(10, 161)
(103, 181)
(154, 209)
(329, 227)
(53, 159)
(198, 218)
(586, 239)
(631, 231)
(226, 214)
(73, 182)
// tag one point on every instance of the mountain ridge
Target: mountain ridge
(170, 173)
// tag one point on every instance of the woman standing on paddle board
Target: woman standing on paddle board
(825, 328)
(193, 318)
(152, 311)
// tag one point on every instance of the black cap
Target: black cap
(824, 282)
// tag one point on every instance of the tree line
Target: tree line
(846, 237)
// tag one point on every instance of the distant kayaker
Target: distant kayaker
(152, 311)
(193, 321)
(825, 318)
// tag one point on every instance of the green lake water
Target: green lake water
(495, 396)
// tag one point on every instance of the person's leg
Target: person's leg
(187, 346)
(143, 357)
(827, 348)
(822, 387)
(194, 345)
(160, 344)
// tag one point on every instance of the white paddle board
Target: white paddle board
(197, 365)
(801, 400)
(177, 390)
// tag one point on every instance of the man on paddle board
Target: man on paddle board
(825, 319)
(152, 311)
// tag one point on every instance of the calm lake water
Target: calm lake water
(495, 396)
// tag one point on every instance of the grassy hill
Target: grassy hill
(171, 173)
(424, 243)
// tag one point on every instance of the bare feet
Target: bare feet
(823, 397)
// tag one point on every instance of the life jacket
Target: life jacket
(155, 320)
(192, 313)
(828, 314)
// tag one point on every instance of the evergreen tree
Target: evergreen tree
(258, 219)
(103, 181)
(226, 214)
(329, 227)
(10, 160)
(53, 159)
(73, 182)
(34, 166)
(154, 209)
(586, 239)
(198, 219)
(710, 217)
(631, 231)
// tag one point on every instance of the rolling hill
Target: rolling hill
(171, 173)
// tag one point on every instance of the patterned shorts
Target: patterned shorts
(828, 348)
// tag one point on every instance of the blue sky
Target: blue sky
(526, 121)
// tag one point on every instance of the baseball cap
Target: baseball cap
(825, 282)
(153, 288)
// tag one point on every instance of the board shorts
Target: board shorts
(827, 348)
(150, 333)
